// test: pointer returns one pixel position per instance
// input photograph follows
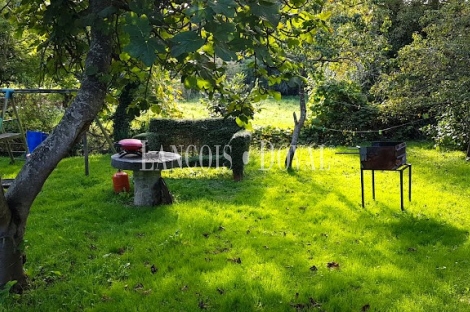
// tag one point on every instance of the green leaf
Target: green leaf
(111, 99)
(272, 80)
(298, 3)
(249, 126)
(203, 84)
(190, 82)
(268, 11)
(141, 104)
(275, 94)
(141, 45)
(124, 57)
(106, 78)
(145, 50)
(137, 26)
(263, 53)
(138, 6)
(221, 31)
(239, 44)
(224, 7)
(186, 42)
(325, 15)
(198, 13)
(244, 122)
(293, 42)
(239, 122)
(222, 51)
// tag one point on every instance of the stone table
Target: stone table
(146, 172)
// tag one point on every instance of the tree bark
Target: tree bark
(122, 119)
(298, 126)
(11, 257)
(16, 205)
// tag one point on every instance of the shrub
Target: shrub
(39, 112)
(273, 135)
(342, 114)
(451, 130)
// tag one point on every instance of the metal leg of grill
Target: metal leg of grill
(373, 185)
(409, 182)
(401, 190)
(401, 169)
(401, 185)
(362, 187)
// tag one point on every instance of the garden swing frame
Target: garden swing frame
(7, 137)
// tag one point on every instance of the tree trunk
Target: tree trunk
(298, 126)
(122, 119)
(15, 206)
(11, 257)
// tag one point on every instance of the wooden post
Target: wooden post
(106, 136)
(298, 126)
(85, 153)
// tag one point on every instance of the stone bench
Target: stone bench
(213, 142)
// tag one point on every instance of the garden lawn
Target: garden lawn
(272, 113)
(277, 241)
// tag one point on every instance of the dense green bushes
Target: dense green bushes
(342, 114)
(38, 111)
(273, 135)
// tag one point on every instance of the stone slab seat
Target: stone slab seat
(212, 142)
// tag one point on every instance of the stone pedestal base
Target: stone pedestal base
(144, 182)
(149, 187)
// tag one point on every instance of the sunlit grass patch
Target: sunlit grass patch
(280, 240)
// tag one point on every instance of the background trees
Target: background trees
(431, 78)
(15, 58)
(408, 59)
(370, 44)
(364, 44)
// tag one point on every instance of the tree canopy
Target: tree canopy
(431, 75)
(195, 39)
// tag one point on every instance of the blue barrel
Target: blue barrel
(34, 138)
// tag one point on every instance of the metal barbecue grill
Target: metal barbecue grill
(386, 156)
(129, 146)
(383, 156)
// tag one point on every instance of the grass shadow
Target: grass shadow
(413, 230)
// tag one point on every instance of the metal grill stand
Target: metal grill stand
(385, 156)
(400, 169)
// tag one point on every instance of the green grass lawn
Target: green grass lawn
(272, 113)
(277, 241)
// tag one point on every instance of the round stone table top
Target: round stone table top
(154, 160)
